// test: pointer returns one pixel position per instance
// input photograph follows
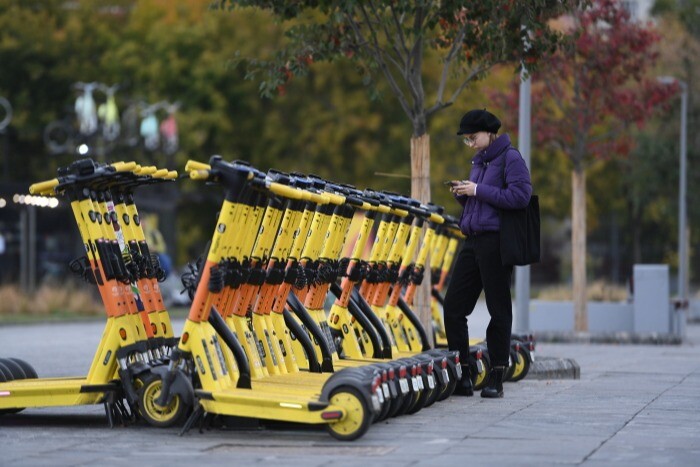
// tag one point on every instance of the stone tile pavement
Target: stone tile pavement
(633, 405)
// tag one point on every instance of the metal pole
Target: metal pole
(522, 273)
(23, 250)
(682, 209)
(31, 269)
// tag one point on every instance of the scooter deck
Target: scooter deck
(45, 392)
(266, 404)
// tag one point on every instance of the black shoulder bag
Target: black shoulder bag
(520, 231)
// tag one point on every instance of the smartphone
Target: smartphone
(450, 183)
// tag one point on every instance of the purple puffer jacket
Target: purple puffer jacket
(480, 212)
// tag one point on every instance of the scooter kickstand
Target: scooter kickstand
(196, 415)
(108, 412)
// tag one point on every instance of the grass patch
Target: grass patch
(56, 303)
(597, 291)
(49, 301)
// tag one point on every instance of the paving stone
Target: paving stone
(633, 405)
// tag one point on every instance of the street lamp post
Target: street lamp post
(682, 207)
(522, 273)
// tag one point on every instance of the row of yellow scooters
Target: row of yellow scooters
(259, 340)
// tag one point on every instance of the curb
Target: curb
(608, 338)
(554, 368)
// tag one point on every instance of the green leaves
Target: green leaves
(390, 40)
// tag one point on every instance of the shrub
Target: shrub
(48, 300)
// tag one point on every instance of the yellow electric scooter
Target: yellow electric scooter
(345, 404)
(121, 350)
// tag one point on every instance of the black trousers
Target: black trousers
(478, 267)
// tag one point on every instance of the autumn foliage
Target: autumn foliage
(593, 89)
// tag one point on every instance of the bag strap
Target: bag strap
(505, 161)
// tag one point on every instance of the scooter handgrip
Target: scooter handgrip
(172, 175)
(201, 174)
(437, 218)
(148, 170)
(335, 199)
(45, 187)
(285, 191)
(318, 198)
(195, 165)
(399, 212)
(125, 166)
(160, 173)
(383, 208)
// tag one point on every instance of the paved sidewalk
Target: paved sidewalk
(634, 405)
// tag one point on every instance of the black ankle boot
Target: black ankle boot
(494, 389)
(464, 386)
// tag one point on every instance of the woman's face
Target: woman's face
(478, 140)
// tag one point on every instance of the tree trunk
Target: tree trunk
(420, 190)
(578, 247)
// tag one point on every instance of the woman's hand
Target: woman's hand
(464, 187)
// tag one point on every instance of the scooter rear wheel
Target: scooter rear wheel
(425, 394)
(358, 415)
(384, 412)
(450, 388)
(508, 376)
(157, 415)
(482, 378)
(522, 365)
(411, 400)
(433, 396)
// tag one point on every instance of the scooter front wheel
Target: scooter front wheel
(358, 415)
(157, 415)
(29, 371)
(12, 369)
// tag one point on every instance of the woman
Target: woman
(499, 179)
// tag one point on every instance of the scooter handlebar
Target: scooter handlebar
(43, 188)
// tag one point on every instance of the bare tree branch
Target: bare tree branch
(382, 62)
(402, 39)
(391, 39)
(400, 67)
(448, 61)
(376, 53)
(415, 64)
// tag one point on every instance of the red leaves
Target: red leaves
(598, 87)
